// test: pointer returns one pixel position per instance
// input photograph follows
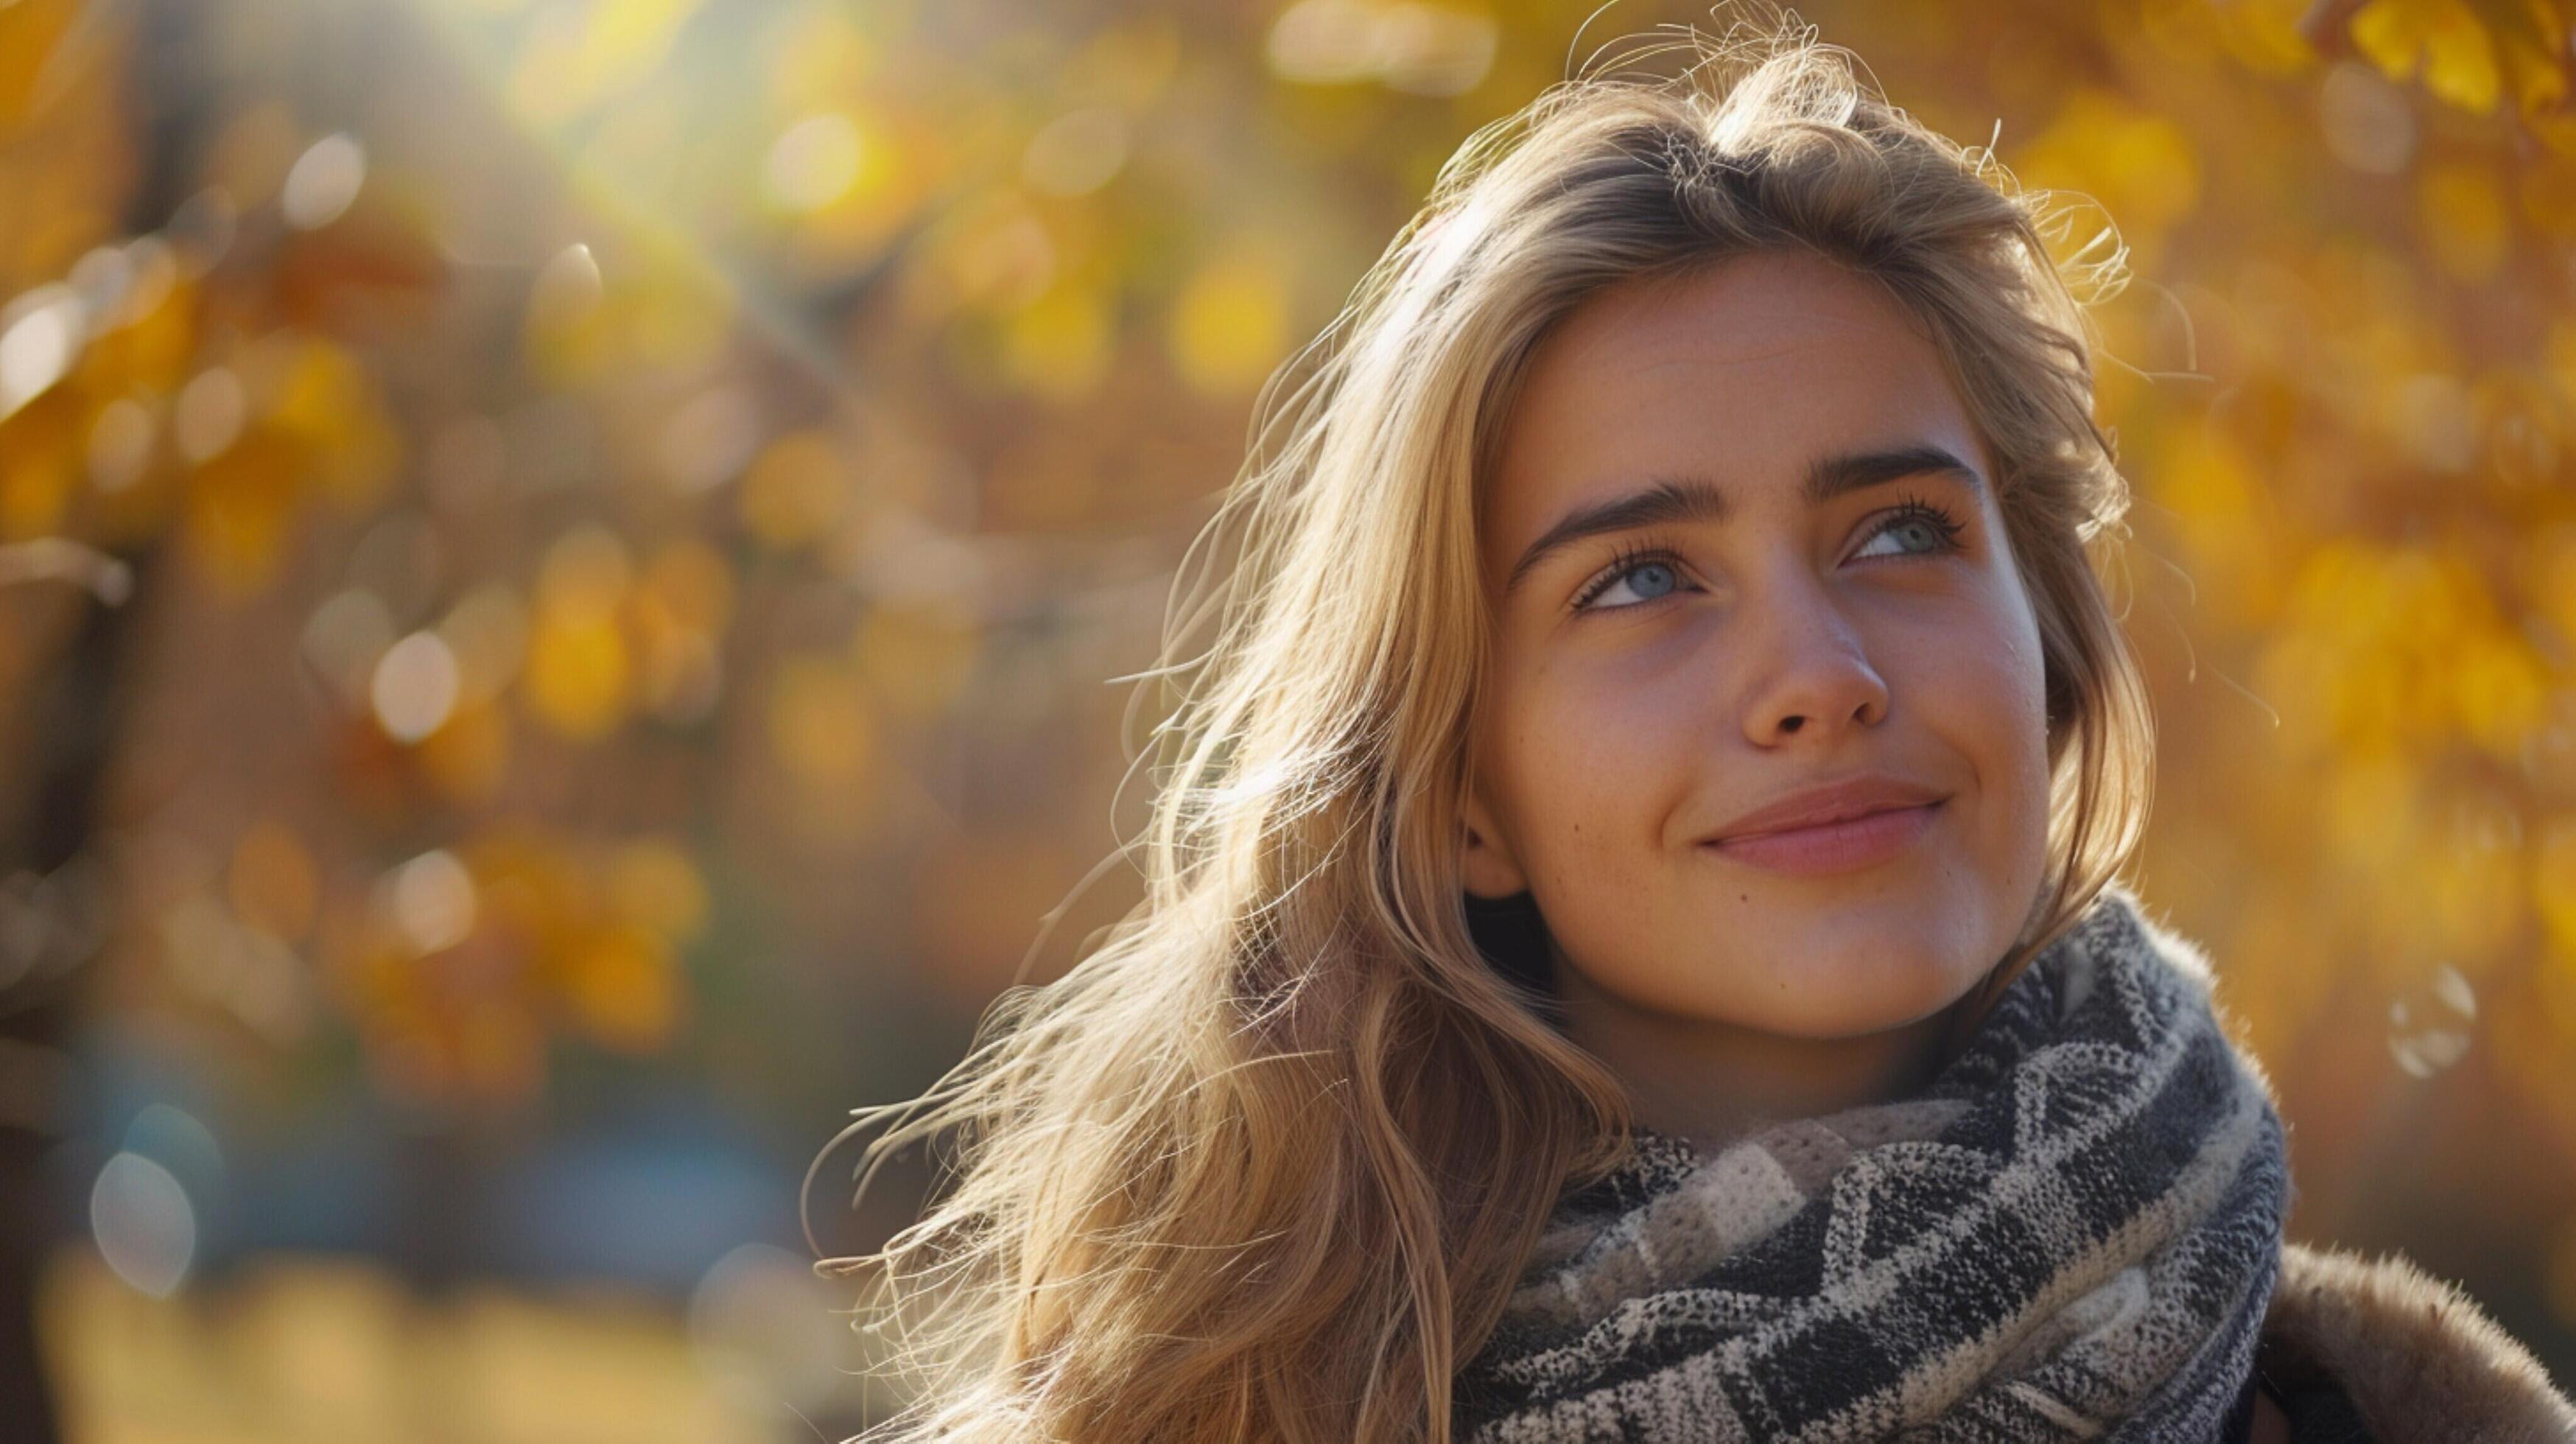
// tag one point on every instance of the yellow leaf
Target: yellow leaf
(622, 988)
(796, 490)
(653, 882)
(2264, 35)
(674, 618)
(2442, 37)
(40, 465)
(2139, 166)
(2499, 689)
(577, 673)
(325, 398)
(468, 757)
(2549, 195)
(153, 350)
(2558, 132)
(2466, 223)
(240, 504)
(1230, 325)
(2538, 77)
(29, 34)
(2553, 879)
(1060, 346)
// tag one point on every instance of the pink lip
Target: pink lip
(1832, 847)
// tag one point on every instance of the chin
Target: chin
(1875, 992)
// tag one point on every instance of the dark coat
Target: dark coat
(2381, 1351)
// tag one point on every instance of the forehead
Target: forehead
(1743, 373)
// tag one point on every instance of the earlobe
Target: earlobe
(1486, 866)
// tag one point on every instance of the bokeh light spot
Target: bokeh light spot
(143, 1223)
(324, 182)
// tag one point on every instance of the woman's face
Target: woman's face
(1808, 595)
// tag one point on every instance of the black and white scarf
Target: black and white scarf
(2072, 1232)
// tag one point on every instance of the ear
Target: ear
(1486, 866)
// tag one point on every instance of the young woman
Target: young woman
(1632, 947)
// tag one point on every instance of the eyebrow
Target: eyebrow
(1697, 499)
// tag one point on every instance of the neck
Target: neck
(1712, 1083)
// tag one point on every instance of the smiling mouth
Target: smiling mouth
(1844, 845)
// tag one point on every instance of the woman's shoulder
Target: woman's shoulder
(2359, 1349)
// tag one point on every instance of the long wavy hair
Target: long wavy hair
(1267, 1161)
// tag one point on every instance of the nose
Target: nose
(1814, 678)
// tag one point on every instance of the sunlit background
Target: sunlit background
(561, 563)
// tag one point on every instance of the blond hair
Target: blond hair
(1266, 1163)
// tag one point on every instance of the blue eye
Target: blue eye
(1657, 569)
(1648, 578)
(1940, 530)
(1651, 571)
(1934, 536)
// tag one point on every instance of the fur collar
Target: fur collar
(2415, 1356)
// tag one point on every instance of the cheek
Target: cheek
(1989, 692)
(1982, 689)
(1588, 761)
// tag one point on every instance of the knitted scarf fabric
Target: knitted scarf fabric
(2071, 1233)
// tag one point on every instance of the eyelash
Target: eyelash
(1648, 549)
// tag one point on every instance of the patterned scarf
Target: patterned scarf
(2072, 1232)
